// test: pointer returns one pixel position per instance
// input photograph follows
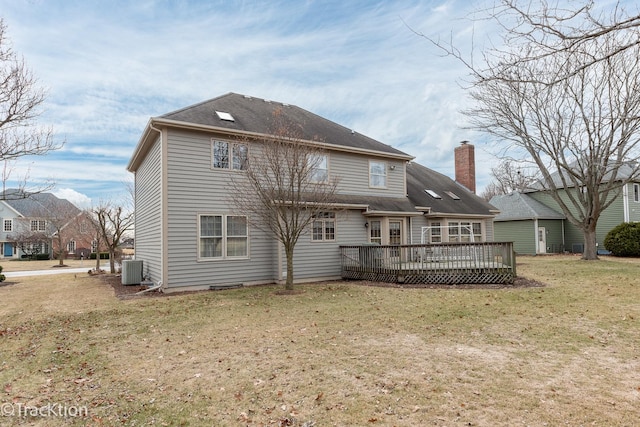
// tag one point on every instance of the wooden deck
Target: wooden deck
(446, 263)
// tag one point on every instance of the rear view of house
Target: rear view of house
(189, 236)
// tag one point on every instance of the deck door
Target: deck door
(395, 235)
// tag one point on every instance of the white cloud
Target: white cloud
(111, 66)
(81, 201)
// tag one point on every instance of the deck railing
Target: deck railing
(449, 263)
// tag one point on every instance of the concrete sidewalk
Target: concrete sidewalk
(61, 270)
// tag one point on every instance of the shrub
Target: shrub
(624, 240)
(2, 276)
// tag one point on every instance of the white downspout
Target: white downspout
(535, 235)
(625, 202)
(159, 286)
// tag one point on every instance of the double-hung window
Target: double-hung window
(319, 165)
(223, 236)
(324, 227)
(38, 225)
(229, 155)
(436, 233)
(377, 174)
(8, 225)
(636, 192)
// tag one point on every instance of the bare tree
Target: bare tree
(564, 95)
(112, 223)
(31, 243)
(64, 223)
(21, 100)
(508, 177)
(285, 186)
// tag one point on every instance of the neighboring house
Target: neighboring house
(559, 234)
(35, 221)
(533, 227)
(182, 187)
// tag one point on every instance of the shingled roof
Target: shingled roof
(37, 205)
(255, 115)
(447, 196)
(518, 206)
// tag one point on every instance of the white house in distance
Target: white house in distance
(181, 196)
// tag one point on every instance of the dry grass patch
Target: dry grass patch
(334, 354)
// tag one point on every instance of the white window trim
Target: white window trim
(384, 174)
(41, 225)
(4, 225)
(231, 147)
(636, 193)
(224, 255)
(326, 180)
(324, 228)
(461, 229)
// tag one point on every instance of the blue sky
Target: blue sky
(110, 66)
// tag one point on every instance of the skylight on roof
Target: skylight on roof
(453, 195)
(433, 194)
(225, 116)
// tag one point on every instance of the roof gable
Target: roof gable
(37, 205)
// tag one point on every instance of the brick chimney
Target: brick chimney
(465, 159)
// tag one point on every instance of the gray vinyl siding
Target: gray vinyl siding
(148, 213)
(322, 259)
(521, 233)
(634, 207)
(194, 188)
(353, 173)
(417, 222)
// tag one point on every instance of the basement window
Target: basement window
(433, 194)
(225, 116)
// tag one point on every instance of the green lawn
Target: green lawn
(335, 354)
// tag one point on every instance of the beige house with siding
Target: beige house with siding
(189, 237)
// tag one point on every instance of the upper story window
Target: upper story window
(324, 227)
(223, 236)
(8, 225)
(377, 174)
(319, 168)
(229, 155)
(38, 225)
(636, 192)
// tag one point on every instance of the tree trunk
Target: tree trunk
(112, 261)
(590, 249)
(288, 285)
(61, 253)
